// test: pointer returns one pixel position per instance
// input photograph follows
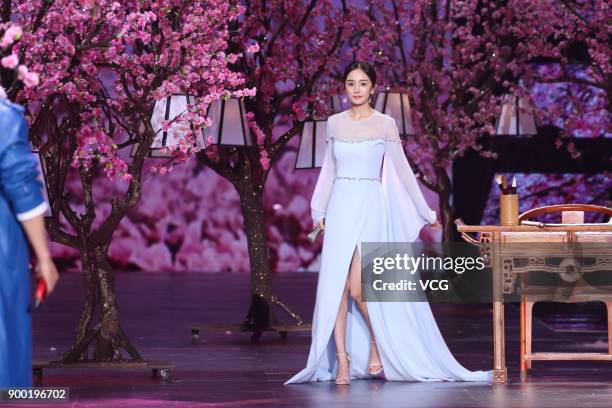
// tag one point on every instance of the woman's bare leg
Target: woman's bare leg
(340, 334)
(355, 292)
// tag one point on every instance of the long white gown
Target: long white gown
(367, 192)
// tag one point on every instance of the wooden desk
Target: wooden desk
(503, 274)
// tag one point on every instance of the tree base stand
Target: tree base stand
(159, 369)
(282, 329)
(259, 319)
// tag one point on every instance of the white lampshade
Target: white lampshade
(396, 105)
(229, 123)
(312, 145)
(511, 122)
(168, 109)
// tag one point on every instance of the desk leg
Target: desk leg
(522, 348)
(500, 374)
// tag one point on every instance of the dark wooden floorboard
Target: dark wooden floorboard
(225, 370)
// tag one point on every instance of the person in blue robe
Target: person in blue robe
(22, 209)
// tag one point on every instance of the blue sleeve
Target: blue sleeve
(19, 171)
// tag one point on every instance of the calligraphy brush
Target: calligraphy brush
(499, 183)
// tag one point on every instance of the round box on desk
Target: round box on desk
(508, 209)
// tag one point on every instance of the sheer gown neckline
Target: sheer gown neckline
(374, 113)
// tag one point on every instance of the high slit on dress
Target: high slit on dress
(367, 192)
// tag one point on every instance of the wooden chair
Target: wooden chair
(570, 214)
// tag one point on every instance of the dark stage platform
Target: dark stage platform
(226, 370)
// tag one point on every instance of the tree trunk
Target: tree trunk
(259, 315)
(91, 294)
(446, 209)
(108, 335)
(609, 92)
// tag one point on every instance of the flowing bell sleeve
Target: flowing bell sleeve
(19, 172)
(325, 182)
(407, 209)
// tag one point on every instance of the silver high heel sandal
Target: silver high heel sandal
(376, 368)
(345, 380)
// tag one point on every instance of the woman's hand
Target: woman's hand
(35, 230)
(48, 272)
(321, 224)
(436, 224)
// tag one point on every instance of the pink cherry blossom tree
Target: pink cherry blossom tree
(460, 58)
(11, 71)
(445, 50)
(566, 61)
(102, 65)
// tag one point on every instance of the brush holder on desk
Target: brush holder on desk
(508, 209)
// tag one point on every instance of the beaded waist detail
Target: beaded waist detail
(358, 178)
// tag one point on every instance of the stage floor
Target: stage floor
(225, 370)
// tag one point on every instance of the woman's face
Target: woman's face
(358, 87)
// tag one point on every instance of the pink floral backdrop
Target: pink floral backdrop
(190, 220)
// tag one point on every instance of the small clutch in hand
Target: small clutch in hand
(312, 236)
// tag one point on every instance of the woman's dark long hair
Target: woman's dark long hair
(362, 65)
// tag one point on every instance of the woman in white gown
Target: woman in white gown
(367, 192)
